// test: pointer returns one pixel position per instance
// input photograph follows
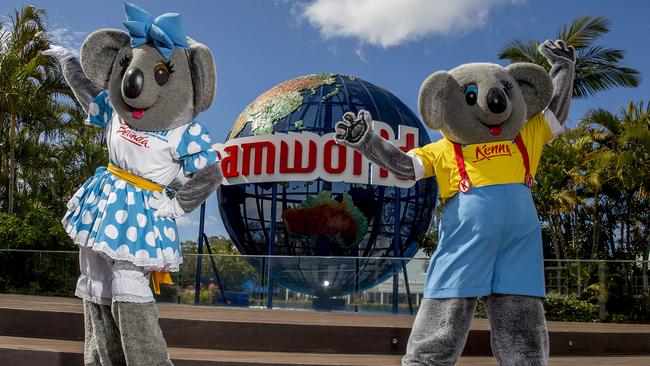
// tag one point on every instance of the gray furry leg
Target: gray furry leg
(142, 339)
(439, 332)
(102, 345)
(519, 335)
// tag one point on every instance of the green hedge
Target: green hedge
(558, 307)
(569, 309)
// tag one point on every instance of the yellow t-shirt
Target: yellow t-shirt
(489, 163)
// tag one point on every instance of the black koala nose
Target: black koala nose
(497, 101)
(132, 83)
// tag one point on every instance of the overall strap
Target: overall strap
(465, 184)
(524, 155)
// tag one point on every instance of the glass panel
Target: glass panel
(609, 290)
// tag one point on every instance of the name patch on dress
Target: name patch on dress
(132, 136)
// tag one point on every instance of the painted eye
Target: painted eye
(471, 94)
(161, 73)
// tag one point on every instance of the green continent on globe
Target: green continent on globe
(279, 102)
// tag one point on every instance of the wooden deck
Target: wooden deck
(38, 330)
(33, 351)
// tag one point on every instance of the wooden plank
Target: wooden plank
(205, 327)
(33, 351)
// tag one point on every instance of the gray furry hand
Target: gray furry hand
(62, 54)
(558, 52)
(352, 129)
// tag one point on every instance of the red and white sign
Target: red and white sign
(306, 156)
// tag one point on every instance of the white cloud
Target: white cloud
(360, 54)
(389, 23)
(187, 222)
(62, 35)
(192, 220)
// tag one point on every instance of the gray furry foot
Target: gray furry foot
(102, 344)
(439, 332)
(142, 339)
(519, 335)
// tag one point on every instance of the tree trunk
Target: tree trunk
(3, 161)
(555, 236)
(594, 244)
(11, 183)
(622, 235)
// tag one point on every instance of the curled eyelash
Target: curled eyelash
(170, 67)
(507, 85)
(124, 62)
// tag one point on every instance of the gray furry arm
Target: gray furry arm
(357, 133)
(562, 76)
(562, 60)
(199, 187)
(387, 155)
(83, 89)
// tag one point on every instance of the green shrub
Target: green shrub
(480, 312)
(206, 296)
(168, 293)
(569, 308)
(618, 318)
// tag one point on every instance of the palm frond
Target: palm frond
(523, 50)
(584, 30)
(598, 68)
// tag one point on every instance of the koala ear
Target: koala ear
(204, 75)
(98, 53)
(434, 96)
(535, 85)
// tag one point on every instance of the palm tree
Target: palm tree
(621, 155)
(554, 193)
(30, 85)
(598, 68)
(594, 169)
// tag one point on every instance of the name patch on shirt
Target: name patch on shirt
(486, 152)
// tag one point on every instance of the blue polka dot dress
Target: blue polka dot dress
(114, 217)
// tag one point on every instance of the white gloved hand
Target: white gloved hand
(62, 54)
(165, 206)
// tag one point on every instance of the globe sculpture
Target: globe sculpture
(360, 224)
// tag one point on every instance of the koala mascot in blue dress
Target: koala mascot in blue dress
(144, 87)
(495, 121)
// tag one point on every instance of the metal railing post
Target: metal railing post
(199, 252)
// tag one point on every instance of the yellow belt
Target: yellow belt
(156, 277)
(134, 179)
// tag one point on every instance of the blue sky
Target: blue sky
(394, 44)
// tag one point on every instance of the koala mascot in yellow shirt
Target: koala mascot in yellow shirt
(495, 121)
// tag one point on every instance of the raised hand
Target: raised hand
(62, 54)
(352, 129)
(558, 52)
(563, 60)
